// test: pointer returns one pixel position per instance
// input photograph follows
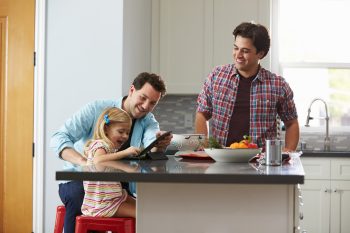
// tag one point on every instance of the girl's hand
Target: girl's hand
(134, 151)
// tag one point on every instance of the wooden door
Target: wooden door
(17, 20)
(2, 74)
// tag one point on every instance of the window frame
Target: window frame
(278, 67)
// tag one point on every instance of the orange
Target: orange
(243, 145)
(234, 145)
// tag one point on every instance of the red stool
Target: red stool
(83, 224)
(60, 212)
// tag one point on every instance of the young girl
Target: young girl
(108, 199)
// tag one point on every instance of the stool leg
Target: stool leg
(80, 227)
(60, 212)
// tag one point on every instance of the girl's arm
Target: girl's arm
(102, 156)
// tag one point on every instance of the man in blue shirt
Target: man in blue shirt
(68, 142)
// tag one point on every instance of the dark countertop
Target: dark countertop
(329, 154)
(188, 171)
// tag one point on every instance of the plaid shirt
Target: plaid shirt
(270, 95)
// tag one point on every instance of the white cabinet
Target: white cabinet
(316, 209)
(207, 208)
(190, 37)
(326, 195)
(340, 211)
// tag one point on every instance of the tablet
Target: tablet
(147, 154)
(154, 143)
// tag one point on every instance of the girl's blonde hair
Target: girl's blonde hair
(108, 117)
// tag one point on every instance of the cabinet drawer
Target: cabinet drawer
(340, 169)
(317, 168)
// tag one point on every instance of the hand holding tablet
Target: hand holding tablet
(154, 143)
(147, 154)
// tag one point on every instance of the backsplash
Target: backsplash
(177, 113)
(339, 141)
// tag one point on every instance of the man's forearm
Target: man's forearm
(292, 135)
(201, 123)
(71, 155)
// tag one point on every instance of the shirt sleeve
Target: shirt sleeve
(93, 147)
(76, 128)
(144, 132)
(204, 99)
(287, 109)
(150, 130)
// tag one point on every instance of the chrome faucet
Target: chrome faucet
(327, 141)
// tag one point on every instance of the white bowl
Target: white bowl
(185, 142)
(232, 155)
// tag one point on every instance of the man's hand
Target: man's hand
(162, 144)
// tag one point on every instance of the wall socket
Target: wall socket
(188, 120)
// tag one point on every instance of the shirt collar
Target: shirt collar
(259, 75)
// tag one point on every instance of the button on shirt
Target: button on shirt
(269, 95)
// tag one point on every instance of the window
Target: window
(312, 46)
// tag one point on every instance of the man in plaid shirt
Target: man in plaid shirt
(243, 98)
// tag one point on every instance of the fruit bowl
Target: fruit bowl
(232, 155)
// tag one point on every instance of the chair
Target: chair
(85, 224)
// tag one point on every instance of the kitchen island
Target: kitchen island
(181, 195)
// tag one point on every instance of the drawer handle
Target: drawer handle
(301, 201)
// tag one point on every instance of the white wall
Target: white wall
(84, 62)
(136, 40)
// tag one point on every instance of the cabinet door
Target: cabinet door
(340, 169)
(227, 15)
(189, 38)
(316, 195)
(185, 36)
(340, 206)
(317, 168)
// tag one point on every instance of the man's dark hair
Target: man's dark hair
(257, 33)
(153, 79)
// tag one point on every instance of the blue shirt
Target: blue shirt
(80, 127)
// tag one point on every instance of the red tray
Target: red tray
(201, 155)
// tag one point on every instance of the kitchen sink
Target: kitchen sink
(321, 153)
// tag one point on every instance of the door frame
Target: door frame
(39, 117)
